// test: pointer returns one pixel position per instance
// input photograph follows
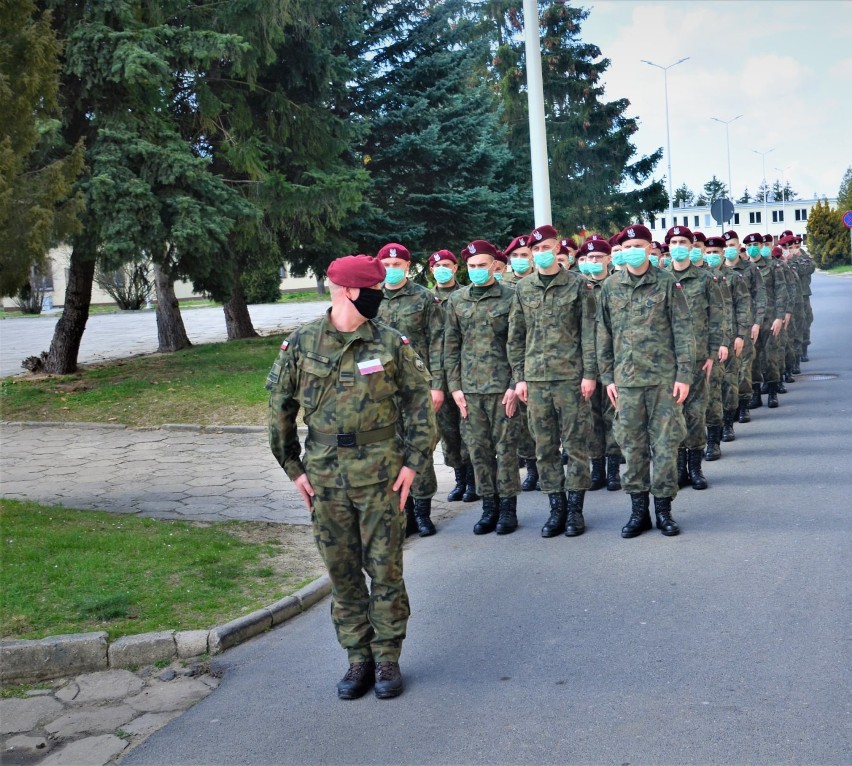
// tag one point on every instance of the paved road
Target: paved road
(726, 645)
(114, 336)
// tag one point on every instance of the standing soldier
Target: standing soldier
(806, 267)
(416, 313)
(365, 399)
(552, 353)
(645, 355)
(444, 266)
(480, 380)
(757, 291)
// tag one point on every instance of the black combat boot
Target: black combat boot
(773, 396)
(682, 471)
(564, 457)
(410, 519)
(575, 524)
(693, 463)
(665, 523)
(764, 388)
(640, 516)
(788, 377)
(743, 416)
(389, 682)
(522, 462)
(780, 388)
(613, 479)
(714, 436)
(728, 434)
(488, 522)
(422, 515)
(531, 479)
(555, 525)
(357, 681)
(469, 495)
(457, 492)
(805, 357)
(755, 400)
(598, 474)
(797, 370)
(507, 522)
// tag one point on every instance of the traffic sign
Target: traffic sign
(722, 210)
(847, 219)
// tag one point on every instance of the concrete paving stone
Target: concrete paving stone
(154, 509)
(91, 751)
(25, 745)
(25, 714)
(69, 692)
(90, 720)
(163, 697)
(107, 685)
(190, 643)
(202, 491)
(195, 505)
(148, 723)
(164, 497)
(246, 493)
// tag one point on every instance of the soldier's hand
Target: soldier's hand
(708, 368)
(739, 344)
(461, 402)
(587, 388)
(755, 331)
(510, 400)
(612, 393)
(723, 354)
(776, 327)
(787, 318)
(681, 391)
(437, 399)
(306, 491)
(522, 391)
(403, 483)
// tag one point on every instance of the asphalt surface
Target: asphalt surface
(727, 645)
(128, 333)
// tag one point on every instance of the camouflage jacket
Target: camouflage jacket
(724, 292)
(776, 289)
(350, 383)
(475, 340)
(443, 293)
(806, 267)
(756, 288)
(552, 329)
(741, 308)
(705, 306)
(416, 312)
(794, 283)
(644, 331)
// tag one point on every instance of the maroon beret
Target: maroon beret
(753, 239)
(768, 238)
(515, 244)
(664, 249)
(729, 235)
(678, 231)
(542, 232)
(636, 231)
(697, 236)
(501, 256)
(655, 245)
(442, 255)
(777, 252)
(480, 247)
(596, 237)
(715, 242)
(356, 271)
(787, 239)
(613, 240)
(394, 250)
(594, 245)
(569, 242)
(798, 240)
(786, 233)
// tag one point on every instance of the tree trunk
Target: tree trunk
(171, 334)
(320, 286)
(65, 346)
(237, 318)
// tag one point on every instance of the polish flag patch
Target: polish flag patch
(285, 345)
(370, 366)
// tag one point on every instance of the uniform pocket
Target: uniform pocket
(313, 373)
(382, 384)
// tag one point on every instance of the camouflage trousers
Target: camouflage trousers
(358, 530)
(765, 366)
(809, 320)
(449, 426)
(695, 409)
(730, 381)
(602, 440)
(649, 425)
(713, 408)
(746, 366)
(560, 419)
(795, 339)
(491, 439)
(425, 483)
(526, 443)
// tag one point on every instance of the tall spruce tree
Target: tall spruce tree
(593, 162)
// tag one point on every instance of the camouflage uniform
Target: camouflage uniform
(713, 408)
(416, 312)
(742, 314)
(806, 267)
(552, 347)
(766, 357)
(795, 307)
(363, 427)
(644, 345)
(757, 290)
(476, 363)
(449, 418)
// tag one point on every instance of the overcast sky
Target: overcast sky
(785, 66)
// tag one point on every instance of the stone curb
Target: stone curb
(32, 661)
(190, 427)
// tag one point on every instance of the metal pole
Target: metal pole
(726, 123)
(765, 194)
(668, 137)
(782, 171)
(535, 102)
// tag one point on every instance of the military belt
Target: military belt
(353, 440)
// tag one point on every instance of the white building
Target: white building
(748, 218)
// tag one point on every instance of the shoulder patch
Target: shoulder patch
(405, 340)
(678, 285)
(437, 299)
(284, 345)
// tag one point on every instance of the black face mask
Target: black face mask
(367, 302)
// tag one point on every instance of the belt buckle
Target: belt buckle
(345, 440)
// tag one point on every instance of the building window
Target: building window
(696, 220)
(686, 220)
(707, 220)
(736, 219)
(662, 223)
(40, 281)
(777, 216)
(801, 214)
(754, 217)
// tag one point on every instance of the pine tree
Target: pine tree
(844, 193)
(593, 163)
(828, 237)
(683, 195)
(714, 189)
(764, 192)
(745, 198)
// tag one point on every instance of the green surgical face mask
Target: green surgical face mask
(667, 261)
(520, 265)
(753, 251)
(498, 275)
(695, 255)
(634, 256)
(679, 252)
(442, 274)
(618, 258)
(544, 260)
(394, 275)
(655, 260)
(713, 260)
(730, 253)
(766, 251)
(479, 276)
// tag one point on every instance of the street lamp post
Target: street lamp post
(728, 141)
(765, 194)
(668, 137)
(535, 102)
(782, 171)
